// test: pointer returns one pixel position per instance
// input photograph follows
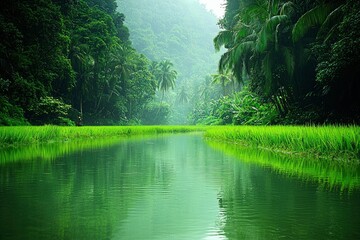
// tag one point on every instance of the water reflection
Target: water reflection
(50, 151)
(75, 196)
(329, 174)
(132, 189)
(169, 187)
(264, 199)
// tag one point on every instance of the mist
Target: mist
(181, 32)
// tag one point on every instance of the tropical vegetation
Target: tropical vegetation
(300, 57)
(71, 62)
(75, 62)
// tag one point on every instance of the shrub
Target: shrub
(51, 111)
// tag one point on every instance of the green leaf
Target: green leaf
(268, 32)
(312, 18)
(222, 39)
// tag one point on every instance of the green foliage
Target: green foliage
(315, 17)
(242, 108)
(249, 110)
(183, 96)
(338, 69)
(77, 51)
(300, 57)
(156, 113)
(11, 115)
(180, 31)
(166, 75)
(51, 111)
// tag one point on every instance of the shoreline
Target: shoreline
(330, 142)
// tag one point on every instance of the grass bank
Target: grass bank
(10, 136)
(338, 142)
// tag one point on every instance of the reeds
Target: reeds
(30, 134)
(326, 141)
(340, 142)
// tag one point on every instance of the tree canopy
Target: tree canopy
(301, 57)
(279, 62)
(67, 59)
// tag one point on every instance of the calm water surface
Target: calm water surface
(169, 187)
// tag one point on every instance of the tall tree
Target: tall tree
(166, 76)
(183, 96)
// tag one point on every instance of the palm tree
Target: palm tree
(82, 62)
(120, 67)
(205, 88)
(183, 96)
(269, 40)
(166, 76)
(224, 79)
(257, 41)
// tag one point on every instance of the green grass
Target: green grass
(24, 135)
(340, 142)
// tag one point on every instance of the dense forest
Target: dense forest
(297, 62)
(67, 62)
(107, 62)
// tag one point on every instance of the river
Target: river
(171, 187)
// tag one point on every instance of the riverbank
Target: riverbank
(335, 142)
(24, 135)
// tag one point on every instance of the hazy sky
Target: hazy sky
(215, 6)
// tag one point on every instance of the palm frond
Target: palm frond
(312, 18)
(267, 33)
(222, 39)
(256, 10)
(273, 7)
(238, 70)
(242, 50)
(287, 8)
(224, 62)
(267, 68)
(289, 60)
(332, 20)
(241, 33)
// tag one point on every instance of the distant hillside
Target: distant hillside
(181, 31)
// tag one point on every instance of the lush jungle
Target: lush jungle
(298, 61)
(280, 62)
